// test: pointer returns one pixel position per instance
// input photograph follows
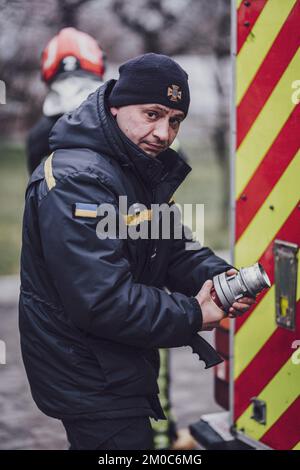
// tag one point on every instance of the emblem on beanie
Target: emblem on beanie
(174, 93)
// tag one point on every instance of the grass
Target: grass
(201, 186)
(13, 179)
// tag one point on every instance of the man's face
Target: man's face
(152, 127)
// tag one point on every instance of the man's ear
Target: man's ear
(114, 111)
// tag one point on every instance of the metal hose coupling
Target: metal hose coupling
(247, 282)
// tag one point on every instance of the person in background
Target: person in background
(72, 66)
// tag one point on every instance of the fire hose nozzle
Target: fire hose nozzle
(248, 282)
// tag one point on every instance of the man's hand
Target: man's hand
(243, 304)
(211, 313)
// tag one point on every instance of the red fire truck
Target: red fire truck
(259, 381)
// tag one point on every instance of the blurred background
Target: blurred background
(194, 32)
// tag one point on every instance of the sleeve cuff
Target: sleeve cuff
(198, 318)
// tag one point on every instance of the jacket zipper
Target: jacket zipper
(153, 243)
(149, 202)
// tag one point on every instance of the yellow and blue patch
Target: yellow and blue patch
(81, 209)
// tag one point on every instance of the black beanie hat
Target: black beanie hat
(151, 78)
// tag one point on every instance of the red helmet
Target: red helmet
(72, 50)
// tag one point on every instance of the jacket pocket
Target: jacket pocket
(126, 370)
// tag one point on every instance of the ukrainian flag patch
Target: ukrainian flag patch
(81, 209)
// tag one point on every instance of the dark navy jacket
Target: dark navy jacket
(93, 312)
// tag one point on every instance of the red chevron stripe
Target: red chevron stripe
(268, 172)
(266, 364)
(285, 433)
(270, 71)
(247, 15)
(289, 231)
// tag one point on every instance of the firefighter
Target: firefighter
(93, 311)
(71, 75)
(72, 66)
(68, 71)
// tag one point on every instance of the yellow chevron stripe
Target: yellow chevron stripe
(256, 330)
(48, 172)
(253, 334)
(267, 126)
(297, 446)
(279, 394)
(267, 222)
(238, 3)
(259, 42)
